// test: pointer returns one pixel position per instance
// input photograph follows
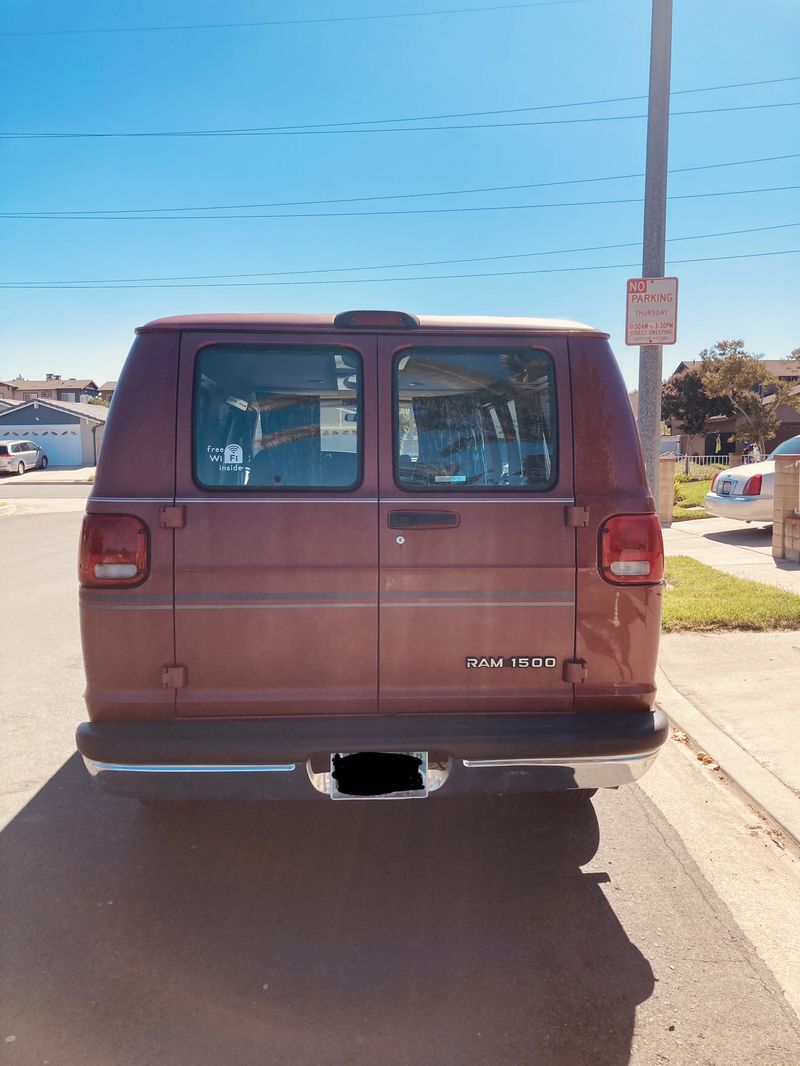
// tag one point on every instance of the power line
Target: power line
(422, 277)
(456, 114)
(393, 196)
(400, 266)
(534, 107)
(402, 211)
(335, 131)
(290, 22)
(397, 266)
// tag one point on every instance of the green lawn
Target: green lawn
(701, 599)
(690, 496)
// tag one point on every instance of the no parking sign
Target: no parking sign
(651, 311)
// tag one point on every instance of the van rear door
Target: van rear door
(276, 508)
(477, 553)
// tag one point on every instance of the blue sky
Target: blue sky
(329, 72)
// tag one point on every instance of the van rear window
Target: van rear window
(277, 418)
(475, 419)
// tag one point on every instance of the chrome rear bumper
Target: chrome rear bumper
(295, 781)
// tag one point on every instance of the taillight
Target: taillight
(714, 481)
(114, 551)
(753, 486)
(632, 549)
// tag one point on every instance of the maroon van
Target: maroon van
(369, 555)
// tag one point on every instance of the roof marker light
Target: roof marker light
(375, 320)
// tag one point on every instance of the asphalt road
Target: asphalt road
(12, 488)
(444, 931)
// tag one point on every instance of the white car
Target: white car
(746, 492)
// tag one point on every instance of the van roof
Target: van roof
(312, 323)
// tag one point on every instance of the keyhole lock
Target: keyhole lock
(400, 540)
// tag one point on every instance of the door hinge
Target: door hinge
(575, 671)
(576, 516)
(172, 517)
(174, 676)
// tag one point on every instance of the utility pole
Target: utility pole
(655, 224)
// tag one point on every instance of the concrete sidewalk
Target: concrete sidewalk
(735, 547)
(737, 697)
(59, 475)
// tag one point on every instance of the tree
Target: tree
(730, 372)
(685, 398)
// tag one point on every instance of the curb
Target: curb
(776, 800)
(61, 481)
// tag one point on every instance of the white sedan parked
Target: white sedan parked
(746, 492)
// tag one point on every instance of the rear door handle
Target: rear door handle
(422, 519)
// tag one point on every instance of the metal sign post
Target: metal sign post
(655, 217)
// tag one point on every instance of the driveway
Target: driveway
(55, 475)
(735, 547)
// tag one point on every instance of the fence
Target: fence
(700, 465)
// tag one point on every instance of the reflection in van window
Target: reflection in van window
(475, 418)
(277, 418)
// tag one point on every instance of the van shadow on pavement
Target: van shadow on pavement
(450, 930)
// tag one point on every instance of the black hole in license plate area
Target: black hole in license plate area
(377, 773)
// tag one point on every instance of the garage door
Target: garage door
(61, 444)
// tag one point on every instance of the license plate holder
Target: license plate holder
(360, 775)
(725, 488)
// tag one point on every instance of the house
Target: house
(720, 431)
(785, 370)
(69, 433)
(54, 387)
(107, 390)
(788, 418)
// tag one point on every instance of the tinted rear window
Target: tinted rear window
(4, 449)
(277, 418)
(475, 419)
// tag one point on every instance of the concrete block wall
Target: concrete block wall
(791, 539)
(786, 523)
(666, 488)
